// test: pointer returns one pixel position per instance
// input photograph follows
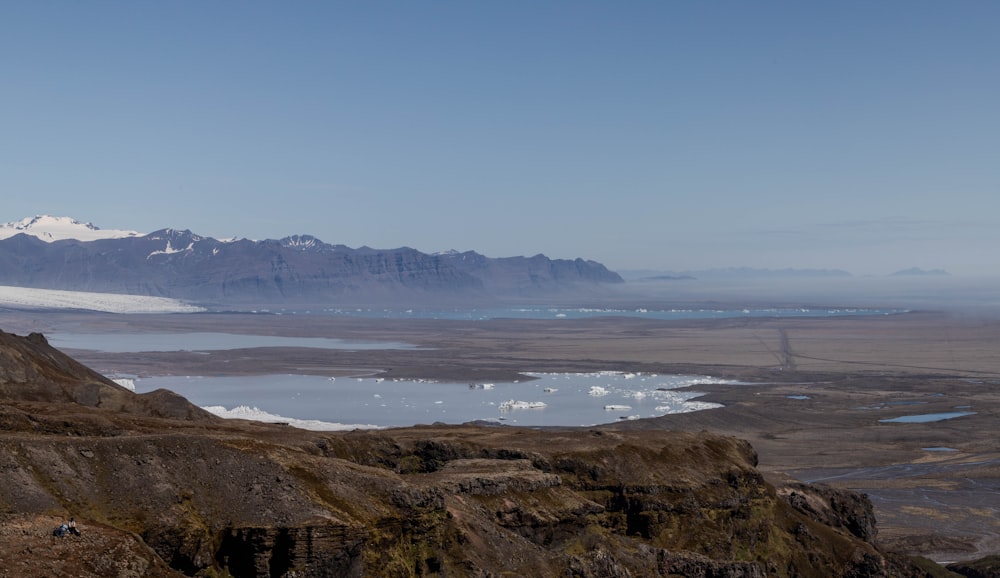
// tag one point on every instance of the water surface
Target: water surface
(549, 400)
(202, 341)
(927, 417)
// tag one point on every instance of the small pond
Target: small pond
(927, 417)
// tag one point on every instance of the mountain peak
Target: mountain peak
(49, 229)
(302, 242)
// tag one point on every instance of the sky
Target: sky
(663, 135)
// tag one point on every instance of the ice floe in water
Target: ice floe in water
(571, 399)
(511, 404)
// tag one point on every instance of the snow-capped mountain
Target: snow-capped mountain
(49, 229)
(59, 253)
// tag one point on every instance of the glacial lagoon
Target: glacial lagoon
(549, 399)
(338, 403)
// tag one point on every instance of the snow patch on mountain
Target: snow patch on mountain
(50, 229)
(170, 250)
(303, 242)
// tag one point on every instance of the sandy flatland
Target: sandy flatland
(936, 486)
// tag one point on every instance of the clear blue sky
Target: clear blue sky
(649, 134)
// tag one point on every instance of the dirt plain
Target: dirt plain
(812, 401)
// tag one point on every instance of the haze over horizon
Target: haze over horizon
(642, 135)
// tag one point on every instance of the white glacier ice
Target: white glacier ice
(126, 382)
(512, 404)
(256, 414)
(28, 298)
(50, 229)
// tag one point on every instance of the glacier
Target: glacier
(29, 298)
(50, 229)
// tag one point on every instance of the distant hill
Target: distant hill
(918, 272)
(61, 253)
(728, 273)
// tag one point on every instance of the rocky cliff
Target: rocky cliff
(160, 488)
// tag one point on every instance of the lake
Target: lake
(335, 403)
(927, 417)
(550, 399)
(203, 341)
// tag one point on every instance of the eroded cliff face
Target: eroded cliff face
(267, 501)
(163, 492)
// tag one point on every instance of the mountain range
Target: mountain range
(47, 252)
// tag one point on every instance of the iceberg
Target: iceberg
(512, 404)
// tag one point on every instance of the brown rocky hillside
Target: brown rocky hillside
(161, 488)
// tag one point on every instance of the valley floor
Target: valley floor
(815, 396)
